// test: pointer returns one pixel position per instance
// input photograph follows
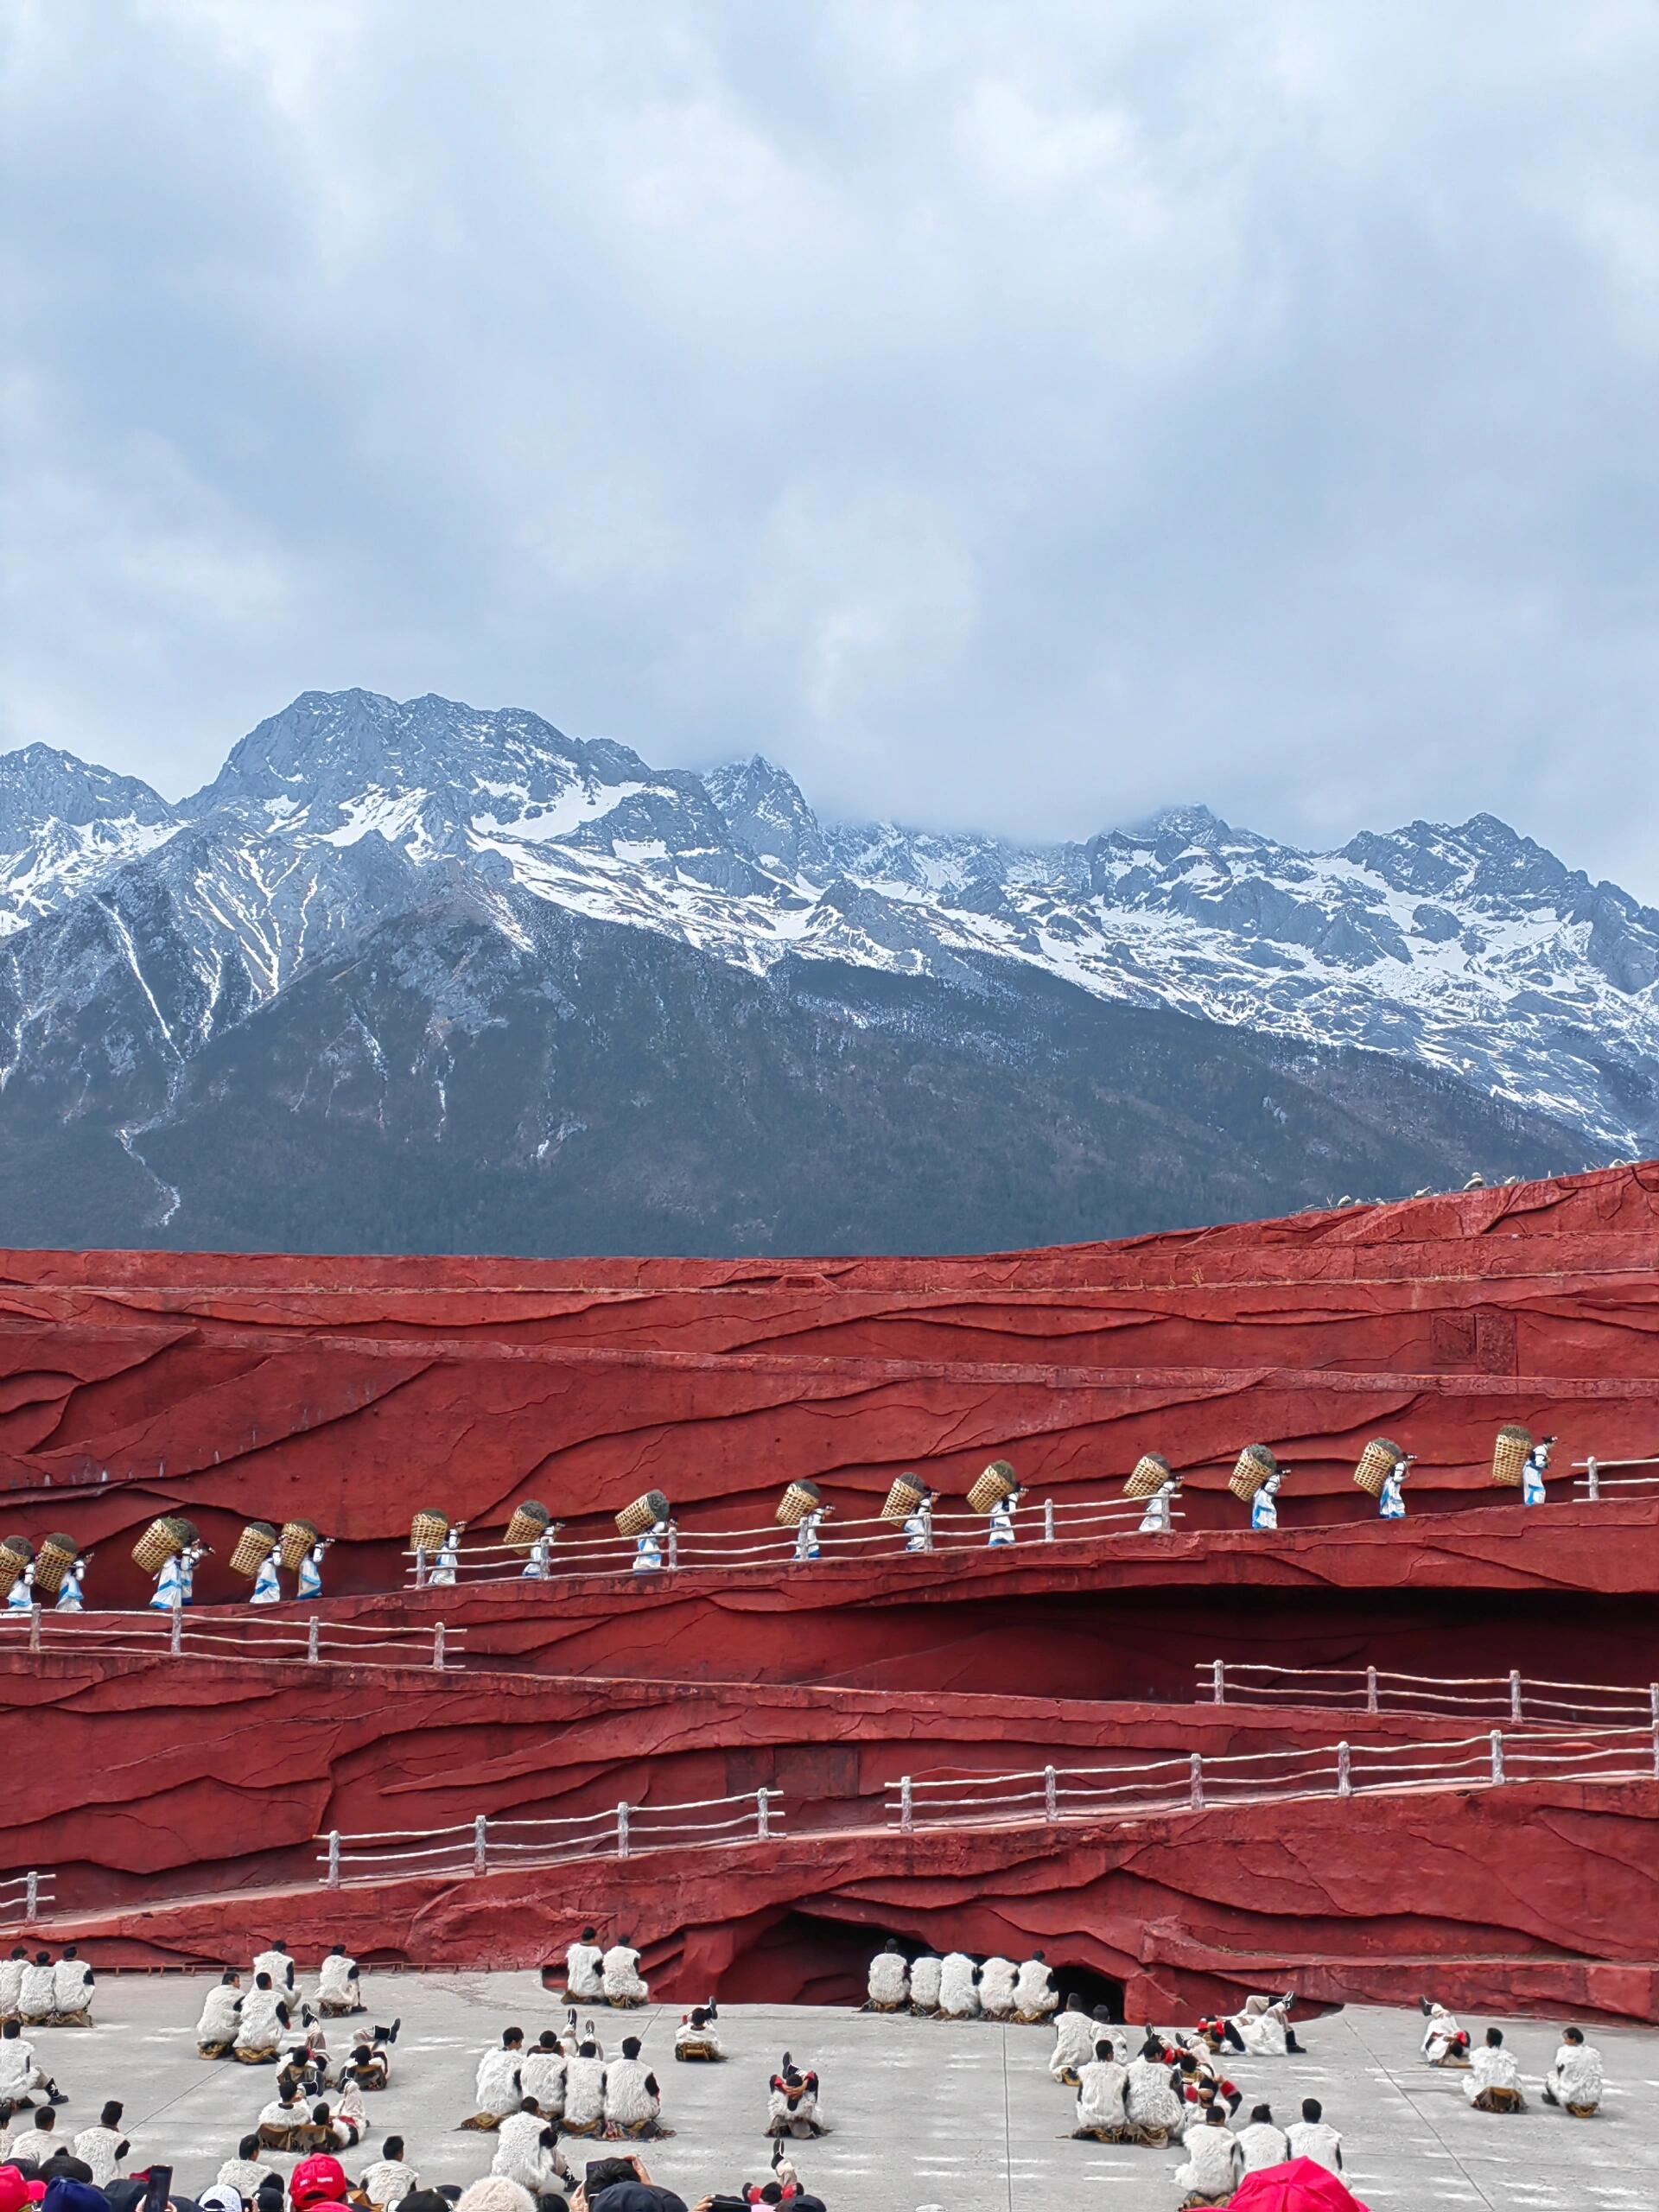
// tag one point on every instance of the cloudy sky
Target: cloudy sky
(1011, 415)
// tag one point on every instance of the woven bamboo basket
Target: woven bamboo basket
(1376, 1464)
(1509, 1453)
(530, 1520)
(159, 1543)
(903, 1498)
(253, 1548)
(999, 1481)
(15, 1555)
(1152, 1472)
(1255, 1465)
(427, 1531)
(797, 1502)
(644, 1513)
(56, 1554)
(296, 1539)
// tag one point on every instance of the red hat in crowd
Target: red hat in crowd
(15, 2192)
(318, 2180)
(1302, 2186)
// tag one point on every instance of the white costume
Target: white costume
(279, 2118)
(889, 1981)
(807, 1545)
(20, 1598)
(1102, 2083)
(243, 2176)
(172, 1586)
(72, 1987)
(279, 1966)
(542, 2076)
(582, 1963)
(37, 2143)
(958, 1999)
(1264, 1514)
(218, 2022)
(536, 1566)
(692, 2042)
(918, 1530)
(1155, 1521)
(584, 2096)
(1214, 2161)
(1491, 2070)
(996, 1988)
(630, 2101)
(521, 2155)
(336, 1981)
(18, 2072)
(1391, 1498)
(1440, 2034)
(387, 2182)
(1532, 1476)
(1075, 2035)
(1316, 2139)
(37, 1999)
(1262, 2145)
(498, 2082)
(1576, 2076)
(311, 1572)
(11, 1981)
(794, 2111)
(1000, 1530)
(924, 1977)
(1262, 2027)
(621, 1978)
(442, 1572)
(99, 2146)
(1148, 2100)
(73, 1585)
(267, 1584)
(648, 1549)
(260, 2027)
(1034, 1994)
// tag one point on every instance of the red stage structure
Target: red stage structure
(352, 1391)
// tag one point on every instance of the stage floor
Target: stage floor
(963, 2116)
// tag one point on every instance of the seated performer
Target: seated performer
(368, 2066)
(103, 2147)
(38, 2142)
(1034, 1994)
(1157, 1520)
(339, 1987)
(1574, 2082)
(1391, 1498)
(1532, 1475)
(1262, 2143)
(285, 2122)
(1445, 2044)
(999, 1520)
(37, 1999)
(1313, 2137)
(584, 2091)
(389, 2180)
(527, 2152)
(958, 1987)
(11, 1980)
(216, 2029)
(1153, 2110)
(261, 2021)
(633, 2098)
(278, 1963)
(1214, 2164)
(73, 1982)
(996, 1979)
(1074, 2043)
(1264, 1514)
(889, 1983)
(542, 2075)
(620, 1976)
(696, 2039)
(924, 1977)
(583, 1977)
(1102, 2085)
(333, 2128)
(246, 2173)
(499, 2089)
(1494, 2083)
(793, 2102)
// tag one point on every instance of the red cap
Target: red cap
(13, 2189)
(318, 2180)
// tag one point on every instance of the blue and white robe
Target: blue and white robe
(267, 1584)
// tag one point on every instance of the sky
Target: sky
(1011, 417)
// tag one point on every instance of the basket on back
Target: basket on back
(57, 1556)
(530, 1521)
(644, 1514)
(1509, 1453)
(428, 1531)
(906, 1494)
(1255, 1465)
(296, 1539)
(15, 1555)
(253, 1548)
(1152, 1472)
(1376, 1464)
(797, 1502)
(164, 1540)
(999, 1481)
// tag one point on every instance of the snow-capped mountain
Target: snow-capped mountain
(139, 939)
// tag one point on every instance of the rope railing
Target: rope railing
(24, 1896)
(1592, 1476)
(181, 1634)
(1512, 1697)
(1198, 1781)
(768, 1545)
(621, 1832)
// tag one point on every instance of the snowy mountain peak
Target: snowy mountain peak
(41, 785)
(767, 815)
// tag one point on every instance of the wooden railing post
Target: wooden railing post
(481, 1845)
(1371, 1689)
(1345, 1777)
(437, 1645)
(1591, 1480)
(34, 1628)
(907, 1805)
(622, 1829)
(1218, 1681)
(1195, 1771)
(1497, 1754)
(331, 1877)
(1515, 1694)
(1051, 1793)
(313, 1640)
(763, 1815)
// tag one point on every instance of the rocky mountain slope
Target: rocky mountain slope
(413, 975)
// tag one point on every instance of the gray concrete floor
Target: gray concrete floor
(964, 2116)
